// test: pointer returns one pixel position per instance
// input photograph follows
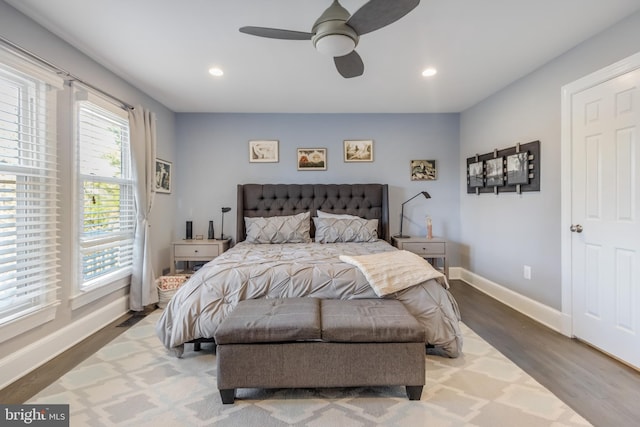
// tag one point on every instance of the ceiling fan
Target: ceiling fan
(336, 32)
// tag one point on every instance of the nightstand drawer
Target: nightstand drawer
(196, 251)
(425, 248)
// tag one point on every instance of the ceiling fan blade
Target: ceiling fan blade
(275, 33)
(350, 65)
(376, 14)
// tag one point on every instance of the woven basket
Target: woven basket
(167, 287)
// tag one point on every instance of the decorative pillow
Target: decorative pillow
(336, 230)
(322, 214)
(278, 229)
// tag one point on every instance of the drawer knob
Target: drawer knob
(196, 251)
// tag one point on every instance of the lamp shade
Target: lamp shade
(424, 193)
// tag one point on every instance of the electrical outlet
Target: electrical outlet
(527, 272)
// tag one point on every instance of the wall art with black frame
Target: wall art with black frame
(513, 169)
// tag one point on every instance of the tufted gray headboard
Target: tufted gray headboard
(368, 201)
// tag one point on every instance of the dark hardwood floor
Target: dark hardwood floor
(601, 389)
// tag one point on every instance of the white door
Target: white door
(605, 242)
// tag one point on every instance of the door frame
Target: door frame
(612, 71)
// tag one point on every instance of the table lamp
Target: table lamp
(426, 196)
(224, 210)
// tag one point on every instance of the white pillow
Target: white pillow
(322, 214)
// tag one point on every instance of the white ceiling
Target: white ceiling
(165, 48)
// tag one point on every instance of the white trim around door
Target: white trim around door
(568, 91)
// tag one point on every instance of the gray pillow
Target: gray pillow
(337, 230)
(278, 229)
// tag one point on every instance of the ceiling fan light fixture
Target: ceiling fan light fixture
(335, 45)
(336, 32)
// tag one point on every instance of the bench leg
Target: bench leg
(228, 395)
(414, 392)
(196, 346)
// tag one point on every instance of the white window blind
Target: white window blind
(105, 193)
(29, 245)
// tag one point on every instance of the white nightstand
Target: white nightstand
(196, 250)
(433, 250)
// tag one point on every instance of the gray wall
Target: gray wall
(24, 32)
(500, 234)
(213, 157)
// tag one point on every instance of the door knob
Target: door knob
(576, 228)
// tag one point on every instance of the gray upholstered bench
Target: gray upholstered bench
(308, 342)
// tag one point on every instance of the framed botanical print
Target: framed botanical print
(423, 170)
(263, 151)
(312, 159)
(164, 170)
(358, 150)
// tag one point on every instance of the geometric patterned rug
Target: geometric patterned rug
(132, 381)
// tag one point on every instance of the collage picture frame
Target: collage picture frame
(513, 169)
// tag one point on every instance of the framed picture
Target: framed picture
(312, 159)
(518, 168)
(495, 172)
(476, 174)
(423, 170)
(164, 170)
(263, 151)
(358, 150)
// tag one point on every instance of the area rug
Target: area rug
(133, 381)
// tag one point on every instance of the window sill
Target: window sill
(29, 321)
(96, 292)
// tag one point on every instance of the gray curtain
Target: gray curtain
(142, 128)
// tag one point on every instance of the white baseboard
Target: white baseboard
(541, 313)
(26, 359)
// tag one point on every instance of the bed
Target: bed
(300, 240)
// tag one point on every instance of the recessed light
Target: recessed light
(429, 72)
(215, 71)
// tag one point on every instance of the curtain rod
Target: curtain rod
(63, 73)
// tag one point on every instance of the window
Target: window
(105, 198)
(29, 244)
